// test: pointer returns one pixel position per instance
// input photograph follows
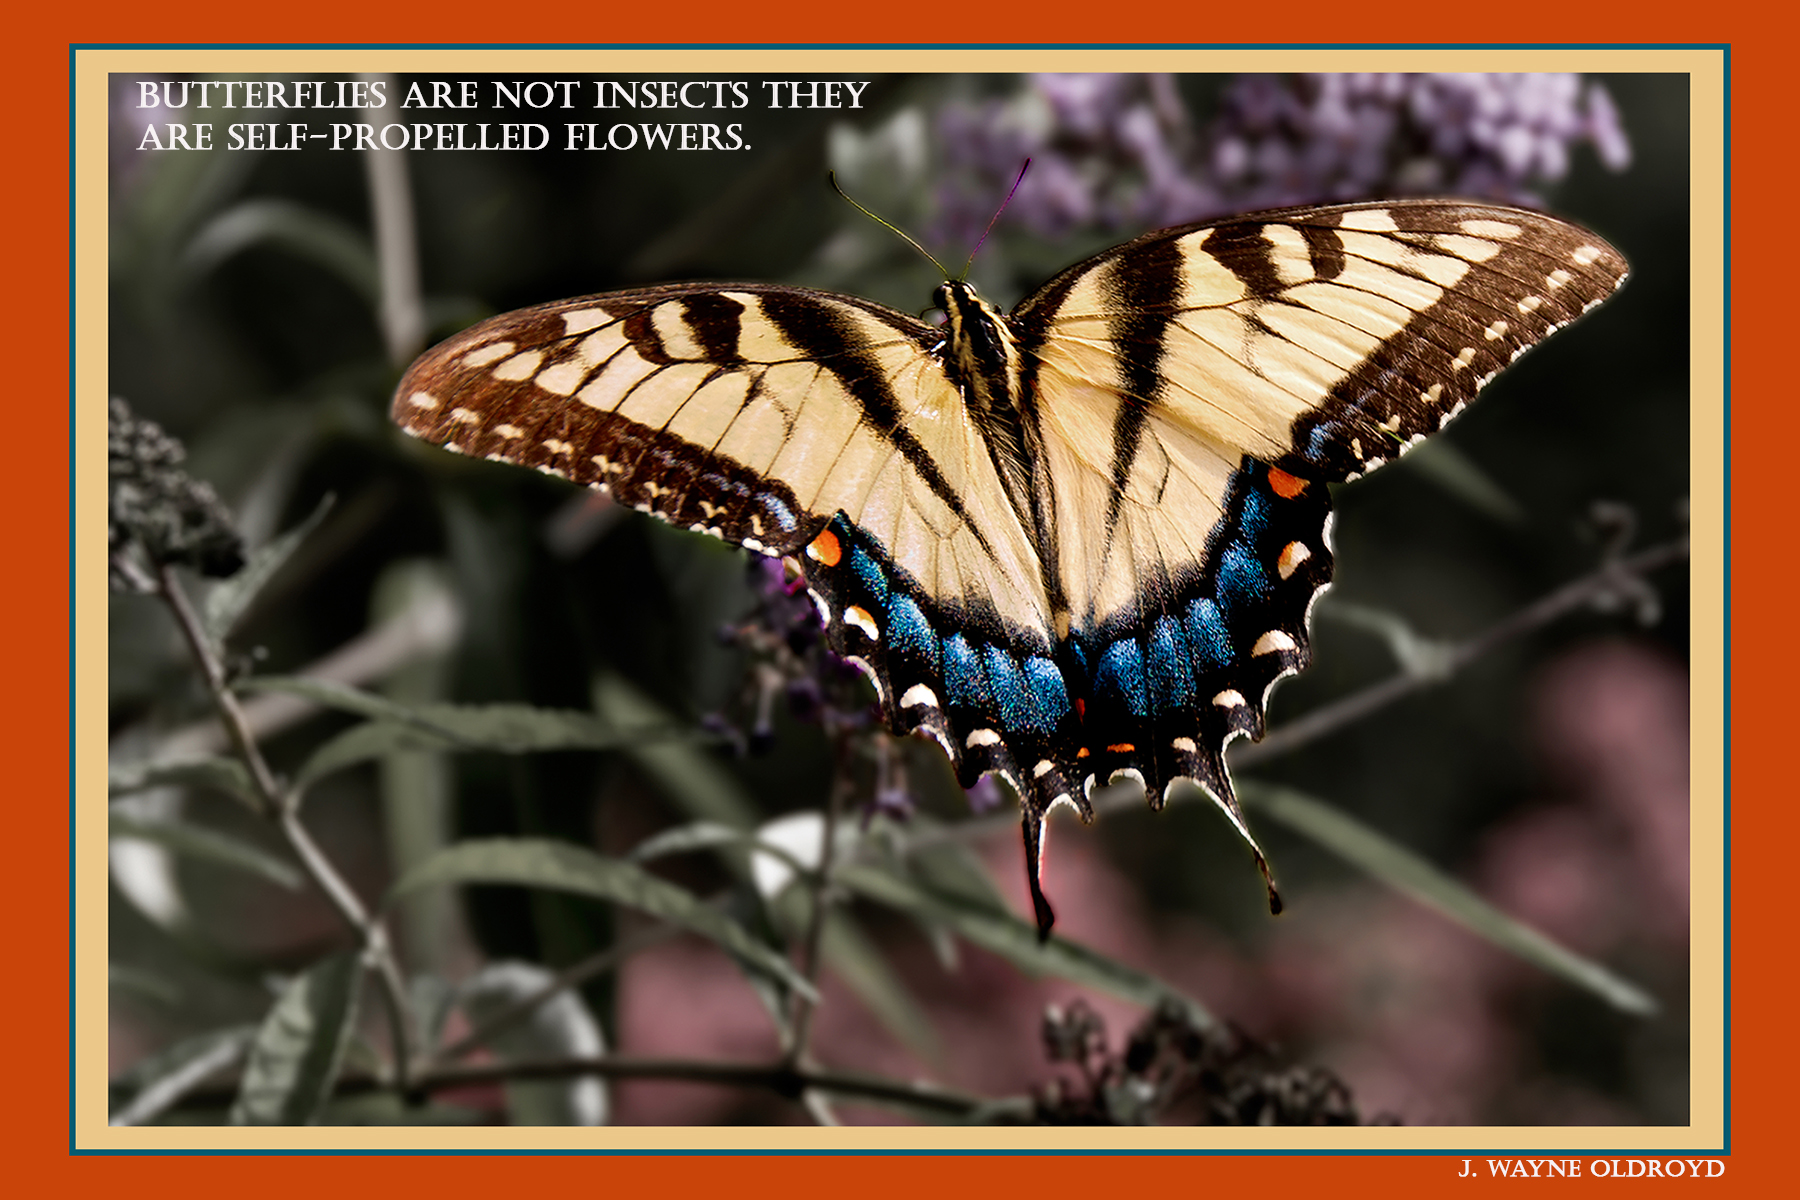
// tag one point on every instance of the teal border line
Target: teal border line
(75, 48)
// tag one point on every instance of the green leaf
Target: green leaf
(1406, 872)
(209, 845)
(295, 1059)
(220, 774)
(539, 862)
(231, 598)
(1438, 461)
(494, 728)
(686, 839)
(305, 232)
(1015, 940)
(158, 1083)
(327, 693)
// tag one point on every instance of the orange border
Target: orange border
(35, 1112)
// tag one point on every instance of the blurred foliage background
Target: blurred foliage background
(1551, 776)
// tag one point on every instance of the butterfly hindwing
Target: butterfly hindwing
(1074, 543)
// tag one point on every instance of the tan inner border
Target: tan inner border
(1705, 69)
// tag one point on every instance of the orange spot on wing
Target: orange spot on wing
(1082, 753)
(1121, 748)
(1285, 485)
(1080, 709)
(825, 549)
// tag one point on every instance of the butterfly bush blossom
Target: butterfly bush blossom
(1124, 152)
(157, 514)
(784, 642)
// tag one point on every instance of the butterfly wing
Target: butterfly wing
(790, 421)
(1190, 396)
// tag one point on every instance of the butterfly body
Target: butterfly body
(1069, 544)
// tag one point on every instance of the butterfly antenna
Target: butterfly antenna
(996, 220)
(832, 176)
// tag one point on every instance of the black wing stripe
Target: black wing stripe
(1143, 301)
(818, 332)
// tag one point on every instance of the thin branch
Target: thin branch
(789, 1082)
(396, 250)
(803, 1006)
(426, 627)
(277, 804)
(1605, 580)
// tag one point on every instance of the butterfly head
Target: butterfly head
(978, 336)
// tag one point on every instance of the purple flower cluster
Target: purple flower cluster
(788, 660)
(1124, 152)
(1207, 1075)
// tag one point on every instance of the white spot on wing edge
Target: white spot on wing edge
(1490, 229)
(584, 319)
(1272, 642)
(1229, 698)
(919, 696)
(422, 400)
(1371, 220)
(860, 618)
(1292, 555)
(1585, 255)
(483, 355)
(520, 366)
(982, 737)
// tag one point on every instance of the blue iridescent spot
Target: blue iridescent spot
(1171, 684)
(1047, 685)
(1018, 705)
(911, 635)
(1120, 676)
(1253, 516)
(870, 573)
(1320, 441)
(963, 677)
(1207, 635)
(784, 516)
(1243, 584)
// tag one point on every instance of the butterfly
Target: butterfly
(1071, 544)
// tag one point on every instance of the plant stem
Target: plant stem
(1571, 597)
(277, 804)
(778, 1077)
(822, 900)
(396, 250)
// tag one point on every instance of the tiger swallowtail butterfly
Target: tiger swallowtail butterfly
(1069, 544)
